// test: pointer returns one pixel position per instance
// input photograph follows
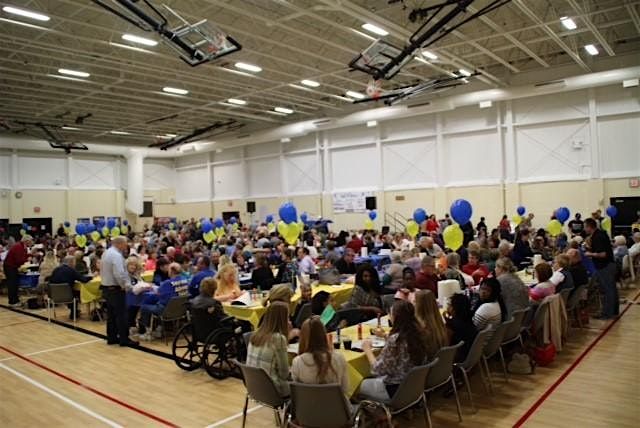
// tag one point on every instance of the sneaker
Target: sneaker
(133, 331)
(145, 337)
(16, 305)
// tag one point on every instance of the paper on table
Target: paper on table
(141, 287)
(244, 298)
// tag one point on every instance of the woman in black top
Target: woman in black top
(262, 276)
(459, 323)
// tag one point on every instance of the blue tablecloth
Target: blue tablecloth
(28, 280)
(374, 259)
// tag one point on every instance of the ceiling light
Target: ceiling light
(26, 13)
(119, 132)
(275, 113)
(24, 24)
(70, 128)
(366, 36)
(464, 72)
(485, 104)
(372, 123)
(283, 110)
(591, 49)
(311, 83)
(285, 140)
(375, 29)
(176, 91)
(630, 83)
(249, 67)
(236, 101)
(568, 23)
(138, 39)
(429, 55)
(73, 72)
(170, 135)
(354, 94)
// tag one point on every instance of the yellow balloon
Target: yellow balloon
(81, 240)
(23, 232)
(606, 225)
(124, 229)
(368, 224)
(234, 226)
(271, 227)
(516, 219)
(115, 231)
(412, 228)
(219, 232)
(105, 231)
(453, 237)
(95, 235)
(554, 228)
(291, 233)
(282, 228)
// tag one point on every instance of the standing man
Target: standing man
(602, 255)
(16, 256)
(115, 284)
(576, 226)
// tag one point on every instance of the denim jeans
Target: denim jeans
(145, 315)
(606, 278)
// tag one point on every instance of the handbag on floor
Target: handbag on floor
(544, 355)
(521, 364)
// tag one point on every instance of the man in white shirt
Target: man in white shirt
(115, 284)
(305, 262)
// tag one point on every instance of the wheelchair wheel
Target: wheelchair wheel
(187, 352)
(220, 349)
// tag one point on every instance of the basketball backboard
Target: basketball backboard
(379, 60)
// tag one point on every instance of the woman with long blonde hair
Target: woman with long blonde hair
(316, 362)
(228, 284)
(268, 346)
(49, 263)
(429, 318)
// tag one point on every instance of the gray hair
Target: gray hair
(69, 261)
(505, 264)
(453, 259)
(396, 256)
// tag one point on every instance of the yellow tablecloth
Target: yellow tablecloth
(527, 278)
(90, 291)
(340, 294)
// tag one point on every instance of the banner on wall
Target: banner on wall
(350, 202)
(84, 220)
(98, 219)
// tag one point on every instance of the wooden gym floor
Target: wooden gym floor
(56, 376)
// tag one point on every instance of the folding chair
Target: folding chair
(260, 388)
(60, 294)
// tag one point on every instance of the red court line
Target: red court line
(567, 372)
(91, 389)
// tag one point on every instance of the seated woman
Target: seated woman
(268, 346)
(561, 278)
(319, 303)
(490, 309)
(453, 270)
(316, 362)
(152, 259)
(228, 285)
(404, 349)
(161, 274)
(408, 289)
(459, 323)
(366, 293)
(241, 263)
(544, 287)
(514, 293)
(133, 302)
(429, 318)
(475, 268)
(262, 276)
(49, 263)
(80, 265)
(393, 276)
(279, 293)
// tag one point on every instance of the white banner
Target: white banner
(350, 202)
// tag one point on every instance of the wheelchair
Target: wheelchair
(209, 343)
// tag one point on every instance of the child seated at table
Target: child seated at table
(408, 289)
(544, 287)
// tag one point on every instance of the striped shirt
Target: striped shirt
(487, 313)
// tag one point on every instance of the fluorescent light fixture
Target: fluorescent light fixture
(366, 36)
(485, 104)
(285, 140)
(420, 59)
(630, 83)
(119, 132)
(26, 13)
(275, 113)
(177, 91)
(133, 48)
(75, 79)
(283, 110)
(311, 83)
(70, 128)
(74, 73)
(568, 23)
(372, 123)
(24, 24)
(237, 101)
(591, 49)
(464, 72)
(249, 67)
(375, 29)
(165, 136)
(430, 55)
(139, 40)
(354, 94)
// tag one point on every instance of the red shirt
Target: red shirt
(355, 245)
(427, 282)
(505, 225)
(17, 256)
(483, 272)
(432, 226)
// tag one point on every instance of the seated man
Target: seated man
(328, 274)
(428, 246)
(426, 277)
(305, 262)
(203, 271)
(67, 274)
(345, 264)
(474, 268)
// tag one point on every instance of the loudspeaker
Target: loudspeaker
(251, 207)
(370, 202)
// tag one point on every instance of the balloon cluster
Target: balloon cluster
(413, 225)
(517, 219)
(288, 226)
(271, 226)
(461, 212)
(554, 227)
(611, 211)
(368, 223)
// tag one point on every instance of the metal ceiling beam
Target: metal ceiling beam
(532, 15)
(634, 16)
(594, 30)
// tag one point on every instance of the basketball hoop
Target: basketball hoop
(374, 88)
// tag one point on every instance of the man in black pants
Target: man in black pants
(17, 255)
(602, 255)
(115, 284)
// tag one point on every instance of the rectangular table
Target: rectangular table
(90, 291)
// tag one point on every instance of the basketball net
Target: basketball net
(374, 88)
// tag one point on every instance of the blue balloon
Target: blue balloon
(562, 214)
(25, 226)
(125, 222)
(207, 226)
(521, 210)
(304, 217)
(90, 228)
(100, 224)
(233, 220)
(612, 211)
(373, 214)
(461, 211)
(269, 218)
(67, 224)
(419, 215)
(288, 212)
(111, 223)
(81, 228)
(218, 223)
